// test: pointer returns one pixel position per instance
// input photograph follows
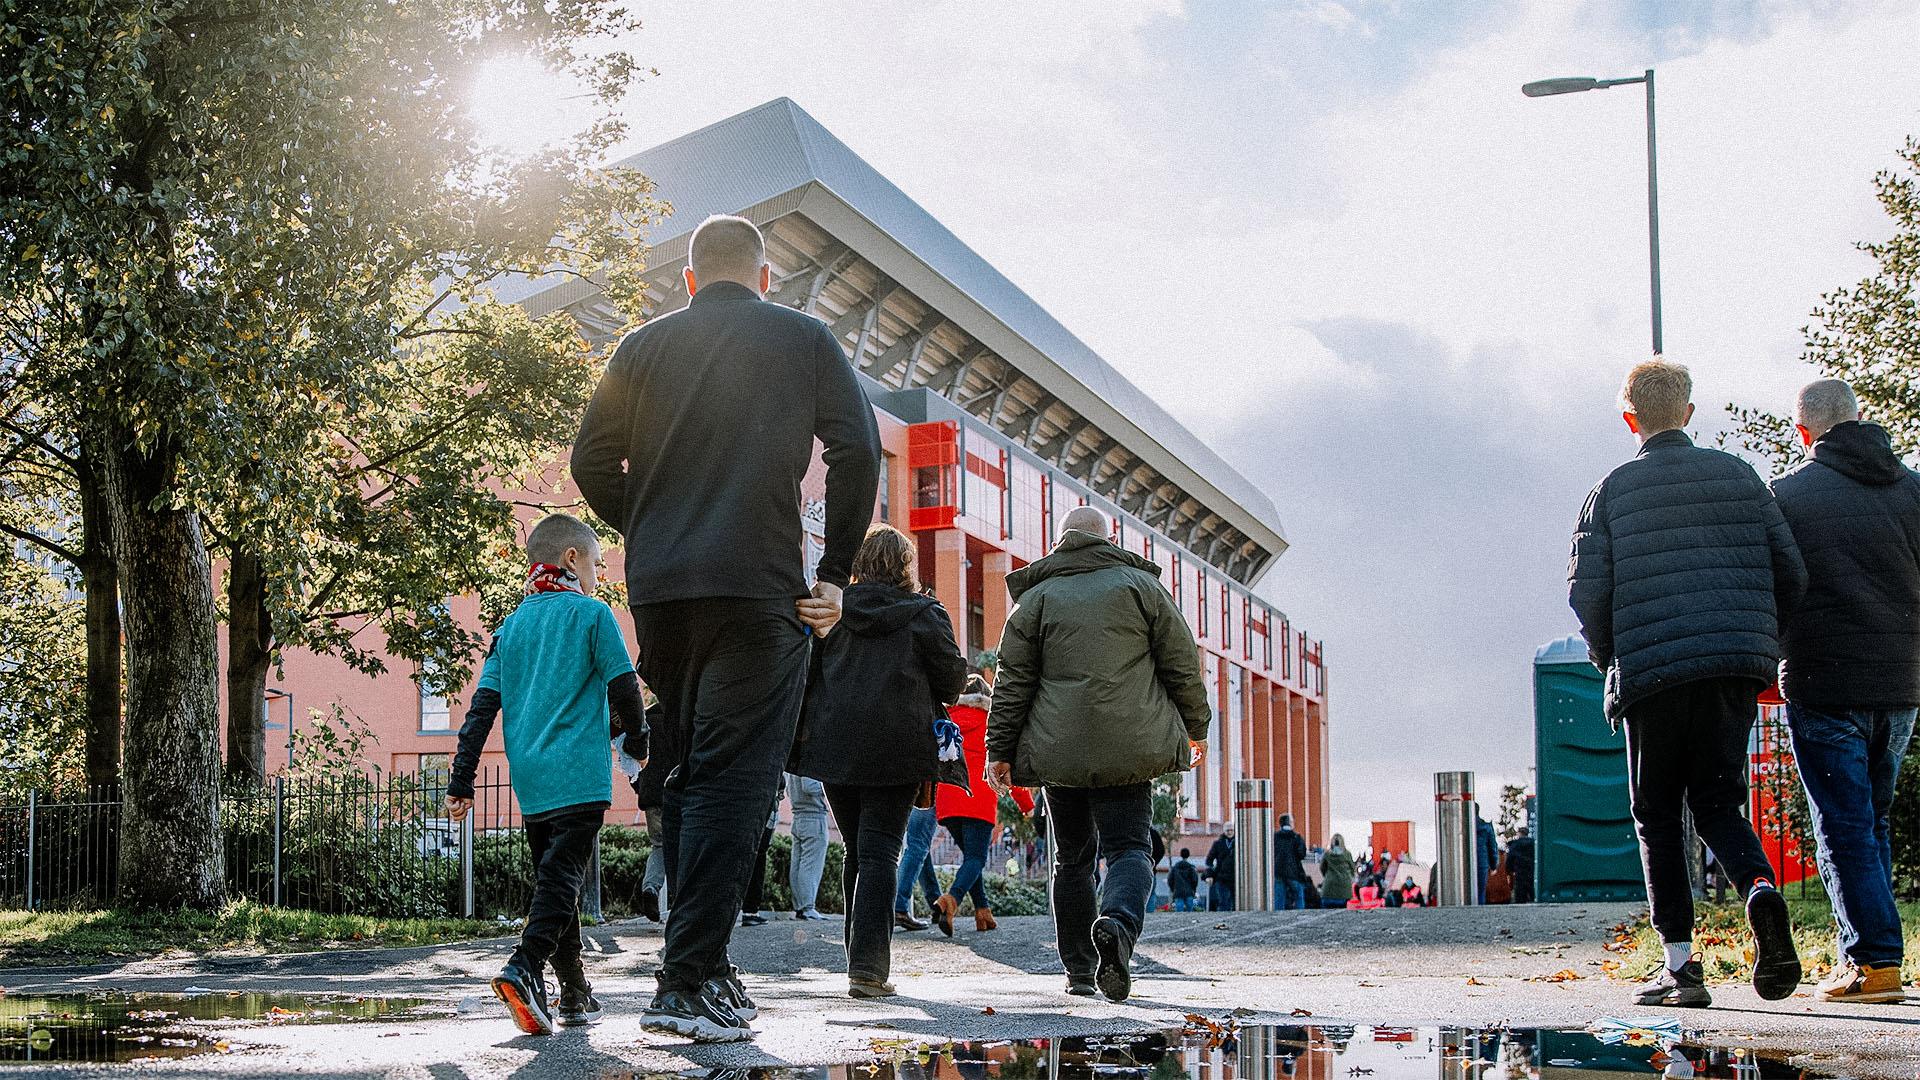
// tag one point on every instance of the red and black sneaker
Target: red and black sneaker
(525, 994)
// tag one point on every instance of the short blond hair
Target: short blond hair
(1657, 393)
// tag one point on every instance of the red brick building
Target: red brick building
(996, 421)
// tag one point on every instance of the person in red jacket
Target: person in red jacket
(970, 816)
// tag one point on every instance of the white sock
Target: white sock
(1678, 953)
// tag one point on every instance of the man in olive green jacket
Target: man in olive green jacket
(1099, 692)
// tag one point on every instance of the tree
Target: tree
(1868, 335)
(42, 677)
(220, 225)
(1513, 810)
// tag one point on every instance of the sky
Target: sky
(1333, 238)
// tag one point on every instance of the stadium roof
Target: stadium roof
(779, 159)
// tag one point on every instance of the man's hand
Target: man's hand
(999, 777)
(822, 610)
(1199, 752)
(457, 807)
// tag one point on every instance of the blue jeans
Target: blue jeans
(914, 863)
(1289, 895)
(1219, 896)
(973, 836)
(1186, 903)
(1849, 762)
(808, 861)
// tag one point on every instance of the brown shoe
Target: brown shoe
(943, 909)
(983, 919)
(1871, 985)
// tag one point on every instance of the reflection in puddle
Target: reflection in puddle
(132, 1027)
(1207, 1051)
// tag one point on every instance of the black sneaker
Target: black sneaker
(650, 905)
(1776, 963)
(697, 1016)
(1082, 986)
(577, 1004)
(733, 994)
(525, 994)
(753, 918)
(1683, 989)
(1114, 977)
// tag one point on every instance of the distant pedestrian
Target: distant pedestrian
(1486, 851)
(753, 895)
(1411, 895)
(1520, 865)
(1099, 693)
(1336, 874)
(1681, 566)
(1289, 867)
(558, 672)
(868, 735)
(970, 817)
(1851, 669)
(1219, 872)
(808, 861)
(1183, 881)
(695, 446)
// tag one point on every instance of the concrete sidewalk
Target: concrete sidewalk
(1405, 968)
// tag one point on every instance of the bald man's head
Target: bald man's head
(1088, 519)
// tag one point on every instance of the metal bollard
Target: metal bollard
(1253, 854)
(1455, 883)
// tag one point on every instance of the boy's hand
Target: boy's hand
(821, 610)
(1000, 777)
(457, 807)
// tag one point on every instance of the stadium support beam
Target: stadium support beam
(907, 349)
(1055, 449)
(1034, 413)
(1083, 469)
(950, 377)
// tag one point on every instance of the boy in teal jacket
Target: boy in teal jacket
(559, 673)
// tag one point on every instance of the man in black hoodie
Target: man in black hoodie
(1851, 669)
(695, 446)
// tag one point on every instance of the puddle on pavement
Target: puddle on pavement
(117, 1027)
(1214, 1051)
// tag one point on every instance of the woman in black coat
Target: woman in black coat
(868, 734)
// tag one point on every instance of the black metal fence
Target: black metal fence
(369, 845)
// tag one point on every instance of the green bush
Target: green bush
(1905, 827)
(1009, 896)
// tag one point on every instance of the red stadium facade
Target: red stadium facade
(996, 422)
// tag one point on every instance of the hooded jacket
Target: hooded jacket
(1099, 679)
(880, 675)
(1681, 565)
(981, 804)
(1854, 641)
(1336, 873)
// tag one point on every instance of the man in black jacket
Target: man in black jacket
(1220, 871)
(695, 445)
(1851, 673)
(1289, 867)
(1680, 565)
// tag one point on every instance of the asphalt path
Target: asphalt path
(1468, 967)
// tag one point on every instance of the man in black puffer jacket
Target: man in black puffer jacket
(1851, 673)
(1680, 566)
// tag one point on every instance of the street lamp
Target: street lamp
(1550, 87)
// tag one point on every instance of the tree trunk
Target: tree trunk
(99, 579)
(249, 656)
(170, 841)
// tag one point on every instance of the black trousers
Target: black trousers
(562, 849)
(756, 895)
(730, 674)
(1090, 824)
(873, 826)
(1687, 747)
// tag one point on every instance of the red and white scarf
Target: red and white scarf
(546, 577)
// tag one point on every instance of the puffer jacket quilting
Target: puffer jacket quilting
(1681, 566)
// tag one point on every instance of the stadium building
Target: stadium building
(996, 421)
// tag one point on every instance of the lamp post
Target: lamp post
(1550, 87)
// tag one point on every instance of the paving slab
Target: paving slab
(1402, 968)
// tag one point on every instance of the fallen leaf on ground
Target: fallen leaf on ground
(1563, 975)
(1302, 1012)
(1474, 980)
(988, 1011)
(1219, 926)
(1363, 982)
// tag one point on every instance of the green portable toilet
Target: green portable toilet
(1584, 847)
